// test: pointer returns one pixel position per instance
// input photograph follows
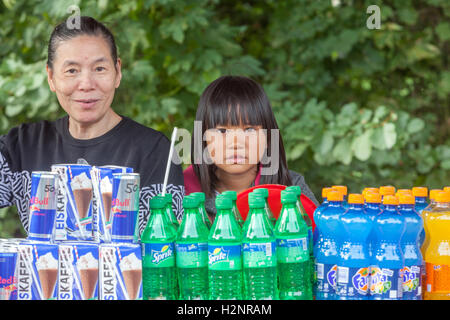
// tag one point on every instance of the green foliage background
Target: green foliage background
(355, 106)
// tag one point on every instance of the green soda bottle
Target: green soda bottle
(233, 196)
(169, 210)
(293, 257)
(225, 254)
(192, 253)
(201, 198)
(298, 191)
(158, 254)
(259, 253)
(264, 192)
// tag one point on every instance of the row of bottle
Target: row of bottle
(369, 247)
(258, 258)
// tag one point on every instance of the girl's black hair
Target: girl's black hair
(88, 26)
(235, 101)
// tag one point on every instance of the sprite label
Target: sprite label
(259, 255)
(158, 255)
(224, 257)
(292, 250)
(192, 255)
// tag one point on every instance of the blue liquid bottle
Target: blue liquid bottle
(387, 258)
(354, 258)
(327, 250)
(372, 209)
(412, 279)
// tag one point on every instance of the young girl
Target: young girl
(236, 142)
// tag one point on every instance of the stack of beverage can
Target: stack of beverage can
(82, 240)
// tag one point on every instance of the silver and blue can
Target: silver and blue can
(42, 205)
(125, 207)
(8, 277)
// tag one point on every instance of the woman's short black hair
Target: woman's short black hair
(235, 101)
(88, 26)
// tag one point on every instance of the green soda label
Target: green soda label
(292, 250)
(260, 255)
(192, 255)
(158, 255)
(224, 257)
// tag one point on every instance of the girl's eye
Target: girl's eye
(250, 130)
(222, 130)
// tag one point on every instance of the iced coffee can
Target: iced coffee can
(74, 197)
(125, 207)
(8, 276)
(42, 205)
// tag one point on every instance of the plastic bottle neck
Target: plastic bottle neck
(355, 206)
(334, 203)
(406, 206)
(421, 200)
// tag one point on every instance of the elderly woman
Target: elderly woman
(84, 71)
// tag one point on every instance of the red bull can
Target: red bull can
(42, 205)
(8, 278)
(125, 207)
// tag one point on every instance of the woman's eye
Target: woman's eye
(222, 130)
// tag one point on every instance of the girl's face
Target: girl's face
(84, 77)
(236, 149)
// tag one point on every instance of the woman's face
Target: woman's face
(236, 149)
(84, 78)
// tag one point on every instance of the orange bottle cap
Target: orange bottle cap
(373, 197)
(355, 198)
(447, 189)
(341, 189)
(443, 197)
(387, 190)
(405, 198)
(335, 196)
(390, 200)
(373, 190)
(420, 191)
(325, 192)
(433, 193)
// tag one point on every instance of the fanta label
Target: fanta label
(412, 282)
(326, 275)
(438, 278)
(224, 257)
(386, 284)
(353, 282)
(159, 255)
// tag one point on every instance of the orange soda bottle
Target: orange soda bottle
(437, 253)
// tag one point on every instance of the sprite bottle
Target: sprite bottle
(233, 196)
(259, 253)
(293, 256)
(169, 210)
(225, 254)
(192, 253)
(158, 254)
(264, 192)
(201, 198)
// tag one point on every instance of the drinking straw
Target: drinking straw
(169, 160)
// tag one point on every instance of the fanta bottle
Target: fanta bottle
(372, 209)
(233, 196)
(259, 253)
(344, 191)
(437, 254)
(293, 257)
(354, 259)
(327, 250)
(192, 253)
(201, 198)
(412, 272)
(158, 254)
(386, 191)
(169, 210)
(386, 282)
(225, 254)
(429, 208)
(264, 192)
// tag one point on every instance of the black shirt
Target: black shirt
(36, 146)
